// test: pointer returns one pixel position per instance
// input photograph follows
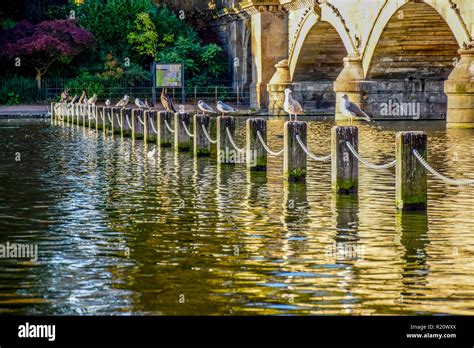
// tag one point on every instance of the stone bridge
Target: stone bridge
(396, 58)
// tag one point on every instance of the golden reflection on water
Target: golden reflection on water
(123, 233)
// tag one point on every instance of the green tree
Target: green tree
(144, 38)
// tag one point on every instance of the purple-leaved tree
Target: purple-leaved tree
(41, 45)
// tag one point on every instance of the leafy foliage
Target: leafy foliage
(47, 42)
(144, 37)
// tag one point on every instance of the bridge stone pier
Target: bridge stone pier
(397, 59)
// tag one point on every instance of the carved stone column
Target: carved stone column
(276, 87)
(269, 35)
(349, 82)
(460, 91)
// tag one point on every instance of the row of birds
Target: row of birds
(165, 99)
(291, 106)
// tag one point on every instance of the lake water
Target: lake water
(120, 233)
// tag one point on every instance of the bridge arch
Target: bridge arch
(441, 15)
(320, 32)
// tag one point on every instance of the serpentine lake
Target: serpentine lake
(118, 232)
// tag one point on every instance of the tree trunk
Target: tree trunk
(38, 79)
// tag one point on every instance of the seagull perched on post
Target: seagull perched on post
(224, 108)
(81, 99)
(107, 103)
(123, 102)
(92, 100)
(166, 101)
(351, 110)
(291, 106)
(205, 108)
(139, 103)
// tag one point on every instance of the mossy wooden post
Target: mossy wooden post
(226, 154)
(294, 157)
(138, 124)
(53, 112)
(117, 120)
(182, 140)
(83, 115)
(98, 117)
(66, 116)
(127, 123)
(344, 165)
(202, 146)
(89, 115)
(410, 175)
(151, 126)
(76, 114)
(165, 137)
(256, 156)
(108, 124)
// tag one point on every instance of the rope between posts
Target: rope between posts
(128, 122)
(186, 129)
(108, 116)
(153, 127)
(457, 182)
(310, 154)
(232, 141)
(368, 164)
(140, 120)
(94, 116)
(207, 134)
(120, 123)
(168, 126)
(272, 153)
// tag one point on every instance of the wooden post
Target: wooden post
(100, 117)
(410, 177)
(151, 126)
(67, 114)
(226, 154)
(202, 146)
(78, 114)
(294, 157)
(344, 165)
(117, 120)
(165, 137)
(182, 140)
(89, 115)
(108, 120)
(139, 125)
(98, 121)
(256, 153)
(127, 123)
(83, 115)
(53, 112)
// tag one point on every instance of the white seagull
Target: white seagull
(224, 108)
(205, 108)
(107, 102)
(291, 106)
(351, 110)
(140, 103)
(123, 102)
